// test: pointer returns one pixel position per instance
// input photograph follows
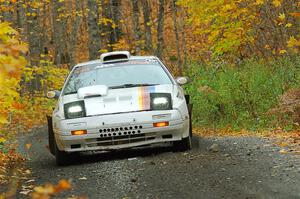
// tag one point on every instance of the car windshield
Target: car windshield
(118, 75)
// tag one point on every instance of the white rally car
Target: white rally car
(119, 101)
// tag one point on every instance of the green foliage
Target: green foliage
(1, 144)
(240, 97)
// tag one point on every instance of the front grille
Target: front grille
(120, 135)
(119, 131)
(118, 140)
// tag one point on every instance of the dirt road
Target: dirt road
(238, 167)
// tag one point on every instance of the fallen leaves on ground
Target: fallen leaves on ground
(8, 161)
(206, 132)
(28, 146)
(289, 141)
(11, 170)
(48, 190)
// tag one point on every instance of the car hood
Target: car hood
(120, 100)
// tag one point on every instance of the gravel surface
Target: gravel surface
(221, 167)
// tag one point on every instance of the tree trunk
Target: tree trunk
(21, 16)
(74, 33)
(33, 35)
(44, 34)
(183, 36)
(59, 33)
(111, 31)
(147, 25)
(93, 28)
(136, 26)
(160, 29)
(174, 17)
(116, 17)
(105, 28)
(34, 42)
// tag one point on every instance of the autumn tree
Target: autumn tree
(176, 32)
(116, 16)
(20, 10)
(59, 32)
(136, 25)
(93, 29)
(76, 21)
(242, 29)
(160, 29)
(67, 32)
(33, 31)
(147, 25)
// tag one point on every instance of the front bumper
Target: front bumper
(109, 132)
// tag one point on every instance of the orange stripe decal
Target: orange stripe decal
(140, 96)
(144, 98)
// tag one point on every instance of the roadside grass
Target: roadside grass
(241, 97)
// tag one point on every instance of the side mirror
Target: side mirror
(183, 80)
(53, 94)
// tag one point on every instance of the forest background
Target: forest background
(242, 56)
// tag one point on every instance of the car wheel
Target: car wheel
(62, 157)
(50, 136)
(190, 107)
(183, 145)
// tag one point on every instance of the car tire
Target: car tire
(190, 107)
(62, 157)
(183, 145)
(51, 143)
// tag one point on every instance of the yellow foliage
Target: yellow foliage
(282, 51)
(288, 25)
(259, 2)
(105, 21)
(35, 106)
(32, 105)
(120, 45)
(12, 62)
(234, 29)
(2, 140)
(225, 24)
(276, 3)
(49, 190)
(281, 17)
(293, 42)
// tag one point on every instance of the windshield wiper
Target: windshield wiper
(131, 85)
(72, 92)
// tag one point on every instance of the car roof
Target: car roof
(98, 61)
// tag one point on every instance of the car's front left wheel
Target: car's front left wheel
(62, 157)
(183, 145)
(51, 142)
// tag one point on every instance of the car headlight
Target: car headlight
(74, 110)
(160, 101)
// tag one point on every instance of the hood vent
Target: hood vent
(116, 56)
